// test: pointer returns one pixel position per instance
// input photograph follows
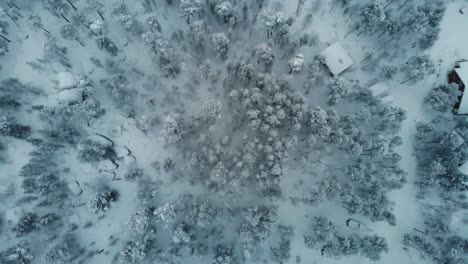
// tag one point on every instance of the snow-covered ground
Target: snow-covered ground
(149, 152)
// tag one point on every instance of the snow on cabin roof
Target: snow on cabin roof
(378, 89)
(336, 58)
(65, 80)
(462, 72)
(464, 168)
(463, 64)
(387, 99)
(463, 109)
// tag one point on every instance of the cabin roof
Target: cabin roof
(336, 58)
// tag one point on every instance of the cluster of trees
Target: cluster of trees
(418, 67)
(121, 13)
(446, 248)
(189, 222)
(440, 148)
(10, 127)
(66, 250)
(135, 252)
(92, 150)
(17, 254)
(165, 55)
(372, 168)
(68, 117)
(276, 118)
(332, 243)
(30, 221)
(238, 144)
(402, 21)
(193, 224)
(440, 152)
(281, 253)
(257, 226)
(443, 98)
(103, 201)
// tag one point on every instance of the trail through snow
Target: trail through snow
(450, 48)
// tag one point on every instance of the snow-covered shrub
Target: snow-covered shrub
(373, 246)
(133, 252)
(17, 254)
(338, 89)
(218, 175)
(98, 27)
(145, 123)
(67, 116)
(198, 33)
(133, 174)
(323, 229)
(153, 24)
(341, 246)
(296, 63)
(52, 51)
(169, 62)
(440, 162)
(281, 253)
(352, 203)
(221, 43)
(430, 36)
(35, 21)
(121, 13)
(442, 98)
(225, 10)
(259, 222)
(11, 128)
(3, 47)
(270, 19)
(105, 43)
(47, 220)
(373, 14)
(56, 7)
(389, 71)
(211, 107)
(421, 244)
(27, 223)
(183, 233)
(117, 87)
(436, 227)
(139, 223)
(224, 255)
(201, 213)
(173, 130)
(69, 32)
(64, 251)
(94, 5)
(192, 8)
(264, 53)
(91, 151)
(168, 165)
(165, 215)
(103, 201)
(418, 67)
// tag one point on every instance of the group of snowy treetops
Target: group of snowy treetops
(226, 117)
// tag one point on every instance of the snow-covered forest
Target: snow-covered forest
(232, 131)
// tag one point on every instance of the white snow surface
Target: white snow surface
(449, 48)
